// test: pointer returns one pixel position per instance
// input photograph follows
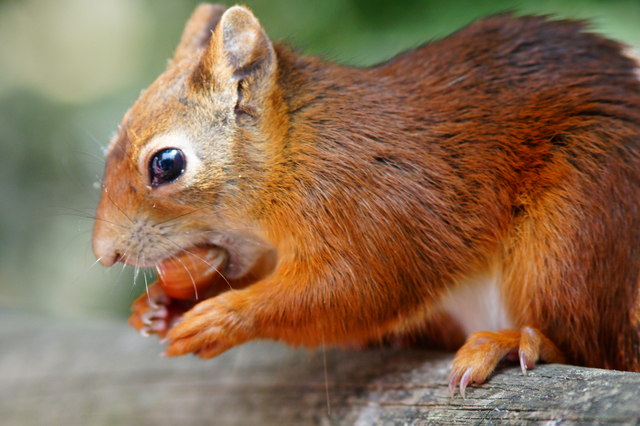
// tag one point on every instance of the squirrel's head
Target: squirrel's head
(191, 152)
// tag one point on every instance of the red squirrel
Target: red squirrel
(478, 193)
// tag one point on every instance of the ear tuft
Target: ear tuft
(198, 30)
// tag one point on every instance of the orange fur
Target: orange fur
(514, 141)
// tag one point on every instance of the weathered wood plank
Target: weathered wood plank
(67, 372)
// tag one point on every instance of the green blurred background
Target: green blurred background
(70, 68)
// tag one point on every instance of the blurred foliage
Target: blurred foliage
(69, 69)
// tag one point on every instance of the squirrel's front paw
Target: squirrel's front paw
(154, 312)
(207, 330)
(150, 312)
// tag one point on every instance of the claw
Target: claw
(453, 381)
(523, 363)
(157, 326)
(464, 381)
(157, 301)
(161, 312)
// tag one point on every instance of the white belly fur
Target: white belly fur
(477, 305)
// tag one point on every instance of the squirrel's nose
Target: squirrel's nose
(104, 249)
(105, 253)
(107, 241)
(110, 259)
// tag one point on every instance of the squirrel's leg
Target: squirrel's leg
(565, 270)
(540, 283)
(309, 313)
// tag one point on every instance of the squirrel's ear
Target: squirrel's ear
(197, 32)
(239, 48)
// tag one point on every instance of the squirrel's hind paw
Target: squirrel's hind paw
(478, 357)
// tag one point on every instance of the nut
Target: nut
(189, 274)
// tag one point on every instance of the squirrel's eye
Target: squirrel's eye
(166, 166)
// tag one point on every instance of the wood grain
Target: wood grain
(70, 372)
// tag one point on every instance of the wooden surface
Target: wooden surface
(55, 372)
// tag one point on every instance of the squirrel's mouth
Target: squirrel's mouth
(194, 273)
(184, 279)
